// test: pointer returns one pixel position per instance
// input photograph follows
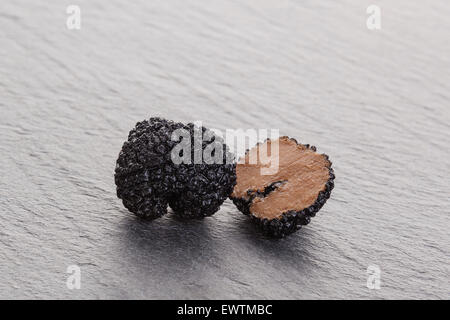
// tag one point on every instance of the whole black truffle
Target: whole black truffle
(168, 163)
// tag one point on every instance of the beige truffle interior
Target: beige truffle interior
(302, 174)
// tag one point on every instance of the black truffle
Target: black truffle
(281, 203)
(148, 177)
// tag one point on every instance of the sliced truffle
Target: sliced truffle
(284, 200)
(148, 180)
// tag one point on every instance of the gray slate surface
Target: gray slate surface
(376, 101)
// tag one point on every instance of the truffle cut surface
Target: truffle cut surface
(300, 185)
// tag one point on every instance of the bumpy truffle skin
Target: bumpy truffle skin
(148, 180)
(289, 221)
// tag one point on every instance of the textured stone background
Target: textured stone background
(376, 101)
